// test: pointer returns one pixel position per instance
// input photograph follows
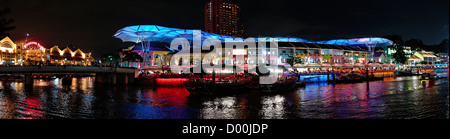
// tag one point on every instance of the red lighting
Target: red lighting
(32, 108)
(171, 81)
(34, 44)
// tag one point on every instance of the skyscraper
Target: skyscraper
(223, 17)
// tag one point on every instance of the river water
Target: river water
(393, 98)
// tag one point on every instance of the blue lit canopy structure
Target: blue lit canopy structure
(147, 33)
(288, 39)
(365, 42)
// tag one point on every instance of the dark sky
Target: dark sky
(90, 25)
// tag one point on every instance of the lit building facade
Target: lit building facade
(389, 52)
(304, 55)
(67, 56)
(223, 17)
(443, 58)
(423, 57)
(8, 53)
(33, 53)
(315, 54)
(379, 57)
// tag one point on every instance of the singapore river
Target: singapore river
(393, 98)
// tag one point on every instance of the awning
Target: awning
(359, 65)
(415, 58)
(371, 65)
(325, 65)
(378, 65)
(336, 65)
(299, 65)
(313, 65)
(348, 65)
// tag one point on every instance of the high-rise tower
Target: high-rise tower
(223, 17)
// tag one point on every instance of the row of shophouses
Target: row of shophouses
(33, 53)
(298, 54)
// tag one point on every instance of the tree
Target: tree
(110, 59)
(443, 46)
(5, 24)
(415, 44)
(396, 39)
(400, 56)
(132, 57)
(290, 60)
(298, 60)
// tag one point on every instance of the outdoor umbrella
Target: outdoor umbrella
(348, 65)
(394, 65)
(371, 65)
(299, 65)
(378, 65)
(336, 65)
(313, 65)
(325, 66)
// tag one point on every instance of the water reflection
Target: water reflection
(396, 97)
(220, 108)
(273, 107)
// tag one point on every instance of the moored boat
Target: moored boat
(429, 76)
(348, 78)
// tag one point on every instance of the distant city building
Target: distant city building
(224, 17)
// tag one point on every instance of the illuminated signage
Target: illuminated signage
(34, 44)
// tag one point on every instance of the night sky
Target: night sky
(90, 25)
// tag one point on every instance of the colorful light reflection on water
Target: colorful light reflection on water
(393, 98)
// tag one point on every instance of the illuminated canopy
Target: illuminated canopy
(287, 39)
(147, 33)
(373, 42)
(140, 33)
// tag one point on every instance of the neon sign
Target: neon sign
(34, 44)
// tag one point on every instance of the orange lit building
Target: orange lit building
(34, 54)
(8, 52)
(67, 56)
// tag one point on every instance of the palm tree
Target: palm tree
(132, 57)
(5, 24)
